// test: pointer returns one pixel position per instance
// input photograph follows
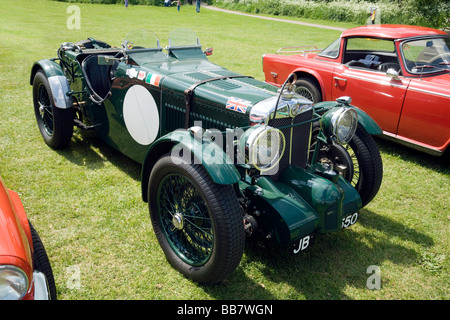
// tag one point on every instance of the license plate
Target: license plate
(349, 220)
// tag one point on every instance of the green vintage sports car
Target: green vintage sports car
(224, 157)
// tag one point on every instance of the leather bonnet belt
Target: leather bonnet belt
(189, 93)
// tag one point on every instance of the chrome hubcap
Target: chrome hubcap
(178, 221)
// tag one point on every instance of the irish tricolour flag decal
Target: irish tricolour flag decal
(153, 79)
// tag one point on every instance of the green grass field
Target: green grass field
(86, 201)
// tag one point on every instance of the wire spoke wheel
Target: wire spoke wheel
(304, 92)
(354, 180)
(45, 109)
(360, 158)
(185, 219)
(198, 223)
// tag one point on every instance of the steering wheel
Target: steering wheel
(445, 57)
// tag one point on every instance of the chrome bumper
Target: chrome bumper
(41, 289)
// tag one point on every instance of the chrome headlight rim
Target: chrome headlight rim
(14, 283)
(254, 143)
(340, 124)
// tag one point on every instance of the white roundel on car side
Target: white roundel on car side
(141, 116)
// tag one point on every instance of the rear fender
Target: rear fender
(57, 80)
(210, 155)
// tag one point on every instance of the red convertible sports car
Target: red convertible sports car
(398, 74)
(25, 271)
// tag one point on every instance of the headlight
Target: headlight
(264, 146)
(13, 283)
(340, 124)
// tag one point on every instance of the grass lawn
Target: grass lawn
(86, 201)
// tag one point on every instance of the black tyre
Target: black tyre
(362, 159)
(55, 124)
(308, 89)
(368, 166)
(41, 262)
(199, 224)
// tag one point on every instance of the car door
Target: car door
(379, 95)
(426, 113)
(374, 92)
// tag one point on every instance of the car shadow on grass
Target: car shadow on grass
(324, 271)
(334, 263)
(89, 151)
(437, 163)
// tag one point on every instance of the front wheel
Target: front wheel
(198, 223)
(360, 157)
(41, 262)
(366, 156)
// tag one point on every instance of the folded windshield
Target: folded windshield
(141, 40)
(183, 37)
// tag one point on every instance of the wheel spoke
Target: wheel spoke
(356, 170)
(185, 218)
(45, 109)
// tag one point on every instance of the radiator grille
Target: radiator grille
(297, 141)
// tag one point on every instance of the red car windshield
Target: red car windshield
(427, 55)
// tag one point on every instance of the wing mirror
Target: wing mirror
(391, 73)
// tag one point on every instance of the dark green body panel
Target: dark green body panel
(219, 166)
(208, 106)
(50, 68)
(364, 119)
(299, 202)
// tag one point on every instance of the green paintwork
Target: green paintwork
(290, 217)
(212, 157)
(363, 118)
(299, 202)
(50, 68)
(326, 197)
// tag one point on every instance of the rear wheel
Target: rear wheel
(308, 89)
(55, 124)
(198, 223)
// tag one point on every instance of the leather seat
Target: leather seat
(356, 63)
(97, 78)
(389, 65)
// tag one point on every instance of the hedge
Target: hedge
(430, 13)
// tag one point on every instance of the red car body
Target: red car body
(410, 102)
(17, 252)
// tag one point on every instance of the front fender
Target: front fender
(57, 80)
(209, 154)
(364, 119)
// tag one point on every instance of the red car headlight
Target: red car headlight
(13, 283)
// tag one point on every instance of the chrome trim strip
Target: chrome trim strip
(396, 139)
(430, 92)
(374, 81)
